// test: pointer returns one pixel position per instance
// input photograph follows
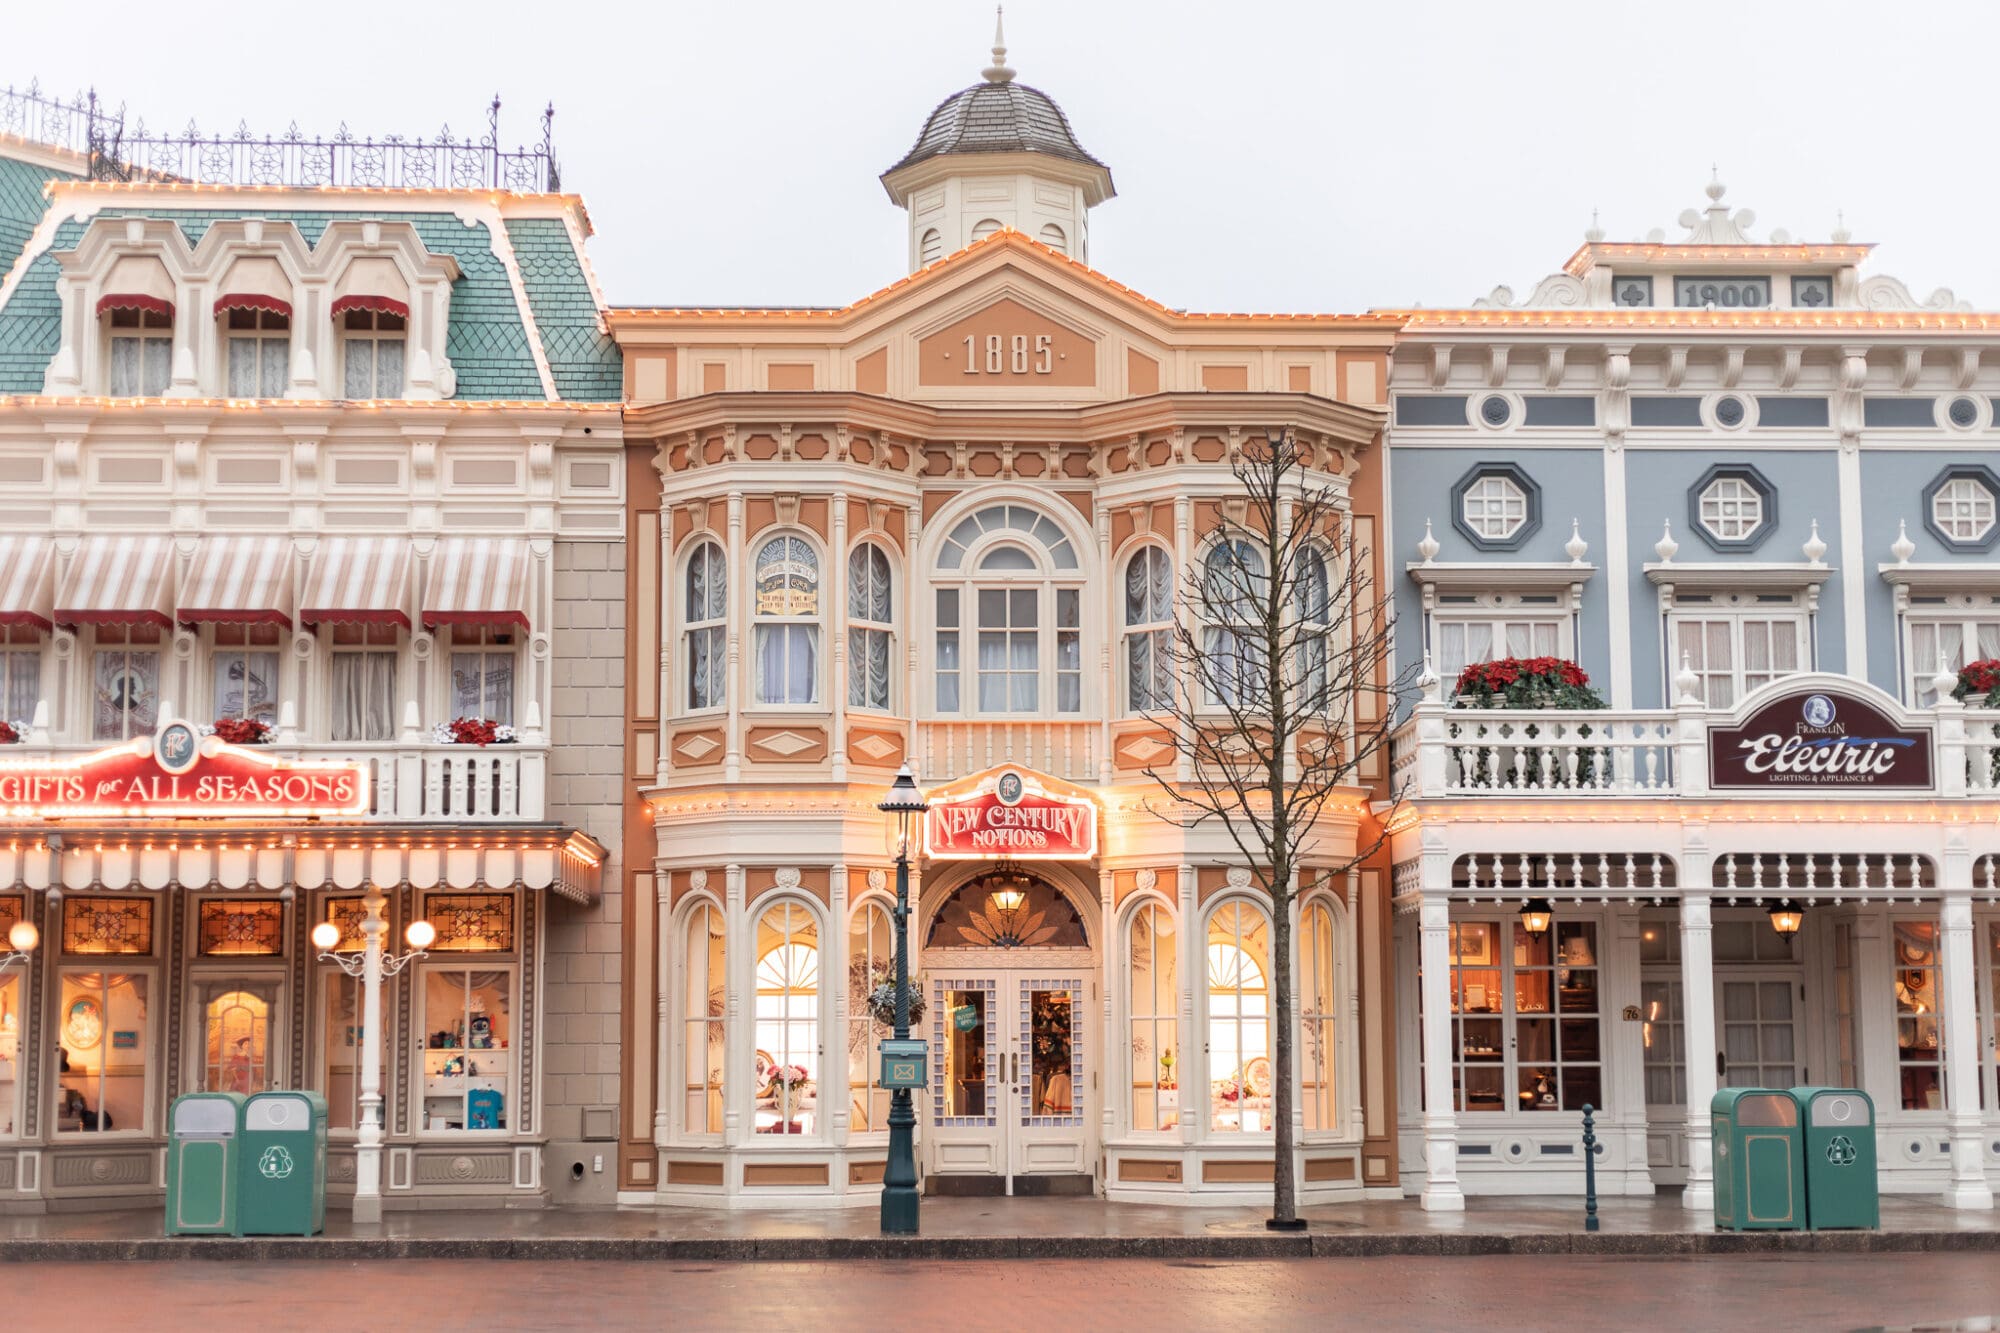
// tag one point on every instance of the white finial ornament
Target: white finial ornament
(1576, 547)
(1596, 233)
(1666, 547)
(1841, 235)
(1902, 548)
(1428, 682)
(998, 72)
(1815, 548)
(1686, 682)
(1428, 547)
(1945, 681)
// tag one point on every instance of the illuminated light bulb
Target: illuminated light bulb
(22, 936)
(420, 934)
(325, 936)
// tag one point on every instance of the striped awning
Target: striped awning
(138, 282)
(118, 581)
(239, 580)
(477, 581)
(27, 581)
(358, 579)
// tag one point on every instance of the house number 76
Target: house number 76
(1018, 354)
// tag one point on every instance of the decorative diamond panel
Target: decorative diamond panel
(241, 928)
(108, 925)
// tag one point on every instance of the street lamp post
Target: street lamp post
(371, 965)
(905, 804)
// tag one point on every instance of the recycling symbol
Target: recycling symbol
(276, 1163)
(1840, 1151)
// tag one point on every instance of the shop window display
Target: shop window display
(871, 962)
(104, 1038)
(1154, 1003)
(1528, 1027)
(787, 1071)
(236, 1018)
(1319, 1018)
(468, 1050)
(340, 1042)
(12, 991)
(1919, 1049)
(704, 1000)
(1239, 1026)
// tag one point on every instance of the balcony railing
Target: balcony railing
(947, 751)
(1443, 752)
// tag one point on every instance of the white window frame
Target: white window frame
(373, 336)
(145, 332)
(476, 644)
(215, 654)
(329, 983)
(813, 622)
(1965, 497)
(1146, 1022)
(269, 336)
(821, 1006)
(1743, 509)
(336, 650)
(1153, 627)
(1216, 635)
(1049, 585)
(1495, 495)
(158, 1009)
(685, 1021)
(21, 657)
(713, 629)
(1737, 612)
(862, 630)
(1241, 1019)
(1973, 618)
(158, 650)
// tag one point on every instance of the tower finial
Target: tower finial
(997, 72)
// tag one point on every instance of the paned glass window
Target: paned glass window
(340, 1045)
(1735, 653)
(125, 682)
(787, 1069)
(236, 1046)
(20, 673)
(1312, 604)
(706, 612)
(1010, 657)
(787, 629)
(1153, 1004)
(704, 1002)
(1528, 1021)
(1239, 1024)
(468, 1047)
(142, 353)
(1463, 640)
(260, 347)
(11, 908)
(1950, 640)
(372, 342)
(949, 668)
(1962, 508)
(363, 682)
(871, 962)
(1235, 586)
(348, 914)
(121, 925)
(104, 1031)
(1919, 1033)
(482, 673)
(1731, 508)
(245, 666)
(1149, 630)
(471, 922)
(241, 927)
(1495, 507)
(871, 618)
(1319, 1017)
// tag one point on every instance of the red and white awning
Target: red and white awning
(478, 581)
(27, 581)
(358, 580)
(138, 282)
(255, 282)
(240, 580)
(120, 580)
(372, 283)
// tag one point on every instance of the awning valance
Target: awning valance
(372, 283)
(358, 580)
(138, 282)
(255, 282)
(27, 581)
(239, 580)
(119, 580)
(477, 581)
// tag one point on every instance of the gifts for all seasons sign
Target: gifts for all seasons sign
(179, 772)
(1819, 740)
(1011, 817)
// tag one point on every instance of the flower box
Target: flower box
(240, 731)
(1516, 760)
(472, 731)
(13, 733)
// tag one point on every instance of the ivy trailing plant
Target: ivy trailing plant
(1529, 683)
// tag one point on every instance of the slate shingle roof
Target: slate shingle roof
(997, 118)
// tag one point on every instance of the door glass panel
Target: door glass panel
(238, 1022)
(966, 1095)
(1051, 1047)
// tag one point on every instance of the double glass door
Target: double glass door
(1008, 1088)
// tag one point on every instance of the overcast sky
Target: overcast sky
(1267, 156)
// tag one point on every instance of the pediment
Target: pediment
(1006, 342)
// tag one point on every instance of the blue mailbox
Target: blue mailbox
(903, 1063)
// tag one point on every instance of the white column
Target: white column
(836, 1097)
(836, 633)
(1193, 950)
(1698, 1017)
(739, 1047)
(1441, 1191)
(1113, 1068)
(1625, 1055)
(368, 1136)
(741, 589)
(1968, 1187)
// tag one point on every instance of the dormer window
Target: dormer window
(372, 345)
(142, 350)
(259, 352)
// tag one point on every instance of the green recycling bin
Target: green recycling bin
(204, 1160)
(282, 1184)
(1841, 1185)
(1760, 1177)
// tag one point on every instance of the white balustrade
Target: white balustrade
(947, 751)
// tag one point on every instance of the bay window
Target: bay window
(1238, 1018)
(705, 613)
(1319, 1016)
(703, 1002)
(871, 618)
(1152, 1006)
(787, 1072)
(871, 962)
(786, 635)
(125, 681)
(1234, 585)
(1312, 605)
(1149, 630)
(1009, 575)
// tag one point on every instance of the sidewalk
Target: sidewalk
(1000, 1229)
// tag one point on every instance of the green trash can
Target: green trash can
(1841, 1185)
(204, 1159)
(1760, 1178)
(283, 1180)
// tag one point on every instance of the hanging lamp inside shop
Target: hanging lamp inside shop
(1535, 915)
(1786, 916)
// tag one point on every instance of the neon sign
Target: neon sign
(177, 772)
(1011, 817)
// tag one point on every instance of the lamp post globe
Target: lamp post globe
(22, 937)
(325, 936)
(904, 805)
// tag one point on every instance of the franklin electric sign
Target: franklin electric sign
(1821, 740)
(1010, 818)
(179, 772)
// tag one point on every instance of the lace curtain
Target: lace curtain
(364, 696)
(707, 601)
(868, 599)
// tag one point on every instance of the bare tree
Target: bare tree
(1278, 639)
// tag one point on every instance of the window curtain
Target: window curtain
(246, 685)
(482, 685)
(364, 696)
(127, 686)
(787, 663)
(868, 668)
(20, 685)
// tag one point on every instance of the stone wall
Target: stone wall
(581, 991)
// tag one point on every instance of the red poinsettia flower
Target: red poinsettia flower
(241, 731)
(9, 734)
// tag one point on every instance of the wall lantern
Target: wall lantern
(1786, 916)
(1535, 915)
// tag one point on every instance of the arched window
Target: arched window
(871, 615)
(984, 227)
(787, 637)
(1149, 633)
(705, 611)
(1152, 1004)
(1019, 586)
(237, 1056)
(787, 1024)
(704, 999)
(930, 246)
(1052, 237)
(1312, 601)
(1239, 1025)
(1319, 1017)
(871, 962)
(1234, 584)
